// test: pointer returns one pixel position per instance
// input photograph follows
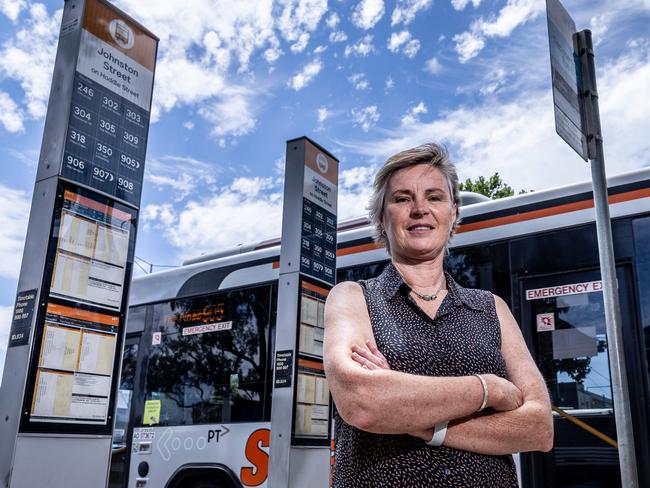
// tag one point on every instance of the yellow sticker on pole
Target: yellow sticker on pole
(151, 412)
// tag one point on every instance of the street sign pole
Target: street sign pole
(622, 413)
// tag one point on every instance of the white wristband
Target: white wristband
(439, 433)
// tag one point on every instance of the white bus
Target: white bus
(195, 407)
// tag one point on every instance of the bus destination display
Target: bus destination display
(108, 125)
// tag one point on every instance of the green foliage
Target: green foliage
(493, 187)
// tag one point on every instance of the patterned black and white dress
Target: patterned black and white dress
(463, 339)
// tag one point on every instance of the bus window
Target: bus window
(209, 359)
(362, 272)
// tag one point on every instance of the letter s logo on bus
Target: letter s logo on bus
(256, 475)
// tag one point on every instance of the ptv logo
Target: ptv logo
(172, 441)
(213, 434)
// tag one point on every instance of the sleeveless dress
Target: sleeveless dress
(463, 339)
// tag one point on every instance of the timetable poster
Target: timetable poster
(75, 366)
(312, 319)
(318, 235)
(312, 401)
(91, 253)
(108, 125)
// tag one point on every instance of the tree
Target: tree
(493, 187)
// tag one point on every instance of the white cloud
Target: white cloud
(333, 20)
(355, 189)
(411, 48)
(362, 48)
(323, 114)
(300, 45)
(517, 138)
(406, 10)
(248, 210)
(10, 115)
(272, 54)
(461, 4)
(188, 124)
(28, 57)
(251, 187)
(180, 176)
(390, 83)
(468, 45)
(365, 117)
(12, 8)
(493, 81)
(412, 115)
(511, 16)
(305, 76)
(299, 17)
(15, 206)
(163, 213)
(599, 26)
(338, 36)
(367, 13)
(397, 39)
(320, 49)
(359, 81)
(402, 41)
(433, 66)
(231, 115)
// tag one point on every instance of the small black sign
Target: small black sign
(22, 318)
(283, 368)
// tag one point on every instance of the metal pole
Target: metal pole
(622, 413)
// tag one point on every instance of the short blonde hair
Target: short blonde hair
(431, 154)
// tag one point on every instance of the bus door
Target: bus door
(563, 320)
(122, 428)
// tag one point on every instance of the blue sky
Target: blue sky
(236, 79)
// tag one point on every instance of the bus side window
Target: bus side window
(208, 359)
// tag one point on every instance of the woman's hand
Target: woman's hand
(503, 395)
(369, 357)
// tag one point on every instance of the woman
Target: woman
(433, 383)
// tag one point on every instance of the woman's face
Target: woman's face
(418, 212)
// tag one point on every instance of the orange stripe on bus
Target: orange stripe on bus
(510, 219)
(371, 246)
(548, 212)
(306, 363)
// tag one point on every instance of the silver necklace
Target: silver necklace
(428, 298)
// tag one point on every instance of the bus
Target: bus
(194, 409)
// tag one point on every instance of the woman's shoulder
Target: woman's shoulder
(344, 293)
(477, 298)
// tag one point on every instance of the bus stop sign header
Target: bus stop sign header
(565, 73)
